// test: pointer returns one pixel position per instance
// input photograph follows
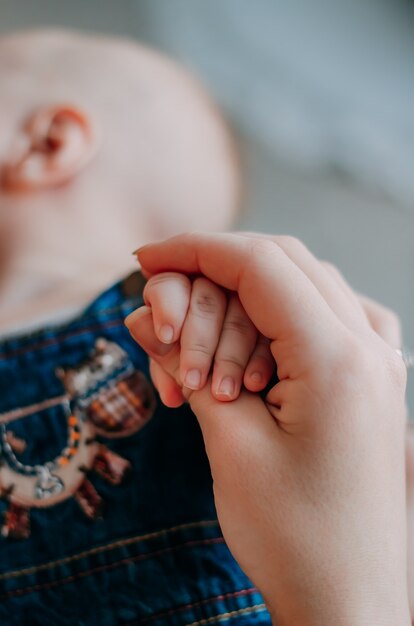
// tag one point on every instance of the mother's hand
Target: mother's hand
(309, 484)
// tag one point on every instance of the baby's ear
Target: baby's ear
(50, 148)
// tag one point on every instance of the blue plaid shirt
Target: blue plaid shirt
(107, 513)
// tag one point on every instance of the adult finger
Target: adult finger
(344, 285)
(383, 320)
(346, 309)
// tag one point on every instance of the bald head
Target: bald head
(162, 142)
(105, 145)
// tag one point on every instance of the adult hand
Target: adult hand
(309, 483)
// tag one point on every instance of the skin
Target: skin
(168, 296)
(135, 151)
(70, 216)
(309, 481)
(209, 328)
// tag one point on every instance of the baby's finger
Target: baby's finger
(237, 342)
(169, 391)
(201, 332)
(261, 366)
(168, 295)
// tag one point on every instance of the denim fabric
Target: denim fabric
(155, 554)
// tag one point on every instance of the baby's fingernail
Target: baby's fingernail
(166, 333)
(256, 377)
(192, 379)
(226, 387)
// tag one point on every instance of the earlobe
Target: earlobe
(53, 145)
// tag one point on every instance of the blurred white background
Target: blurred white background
(321, 95)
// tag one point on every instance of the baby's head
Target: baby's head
(104, 145)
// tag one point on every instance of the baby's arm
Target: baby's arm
(214, 336)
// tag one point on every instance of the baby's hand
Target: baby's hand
(212, 335)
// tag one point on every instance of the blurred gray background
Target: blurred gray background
(321, 96)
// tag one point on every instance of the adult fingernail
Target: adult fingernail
(138, 250)
(192, 379)
(136, 315)
(166, 333)
(226, 387)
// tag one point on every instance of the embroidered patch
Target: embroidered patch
(117, 398)
(106, 396)
(16, 522)
(123, 407)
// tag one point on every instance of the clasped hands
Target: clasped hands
(309, 478)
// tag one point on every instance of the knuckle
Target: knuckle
(290, 242)
(198, 348)
(262, 247)
(204, 303)
(397, 370)
(239, 324)
(207, 299)
(332, 268)
(356, 357)
(351, 366)
(367, 366)
(229, 359)
(391, 318)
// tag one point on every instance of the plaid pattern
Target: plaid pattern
(124, 406)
